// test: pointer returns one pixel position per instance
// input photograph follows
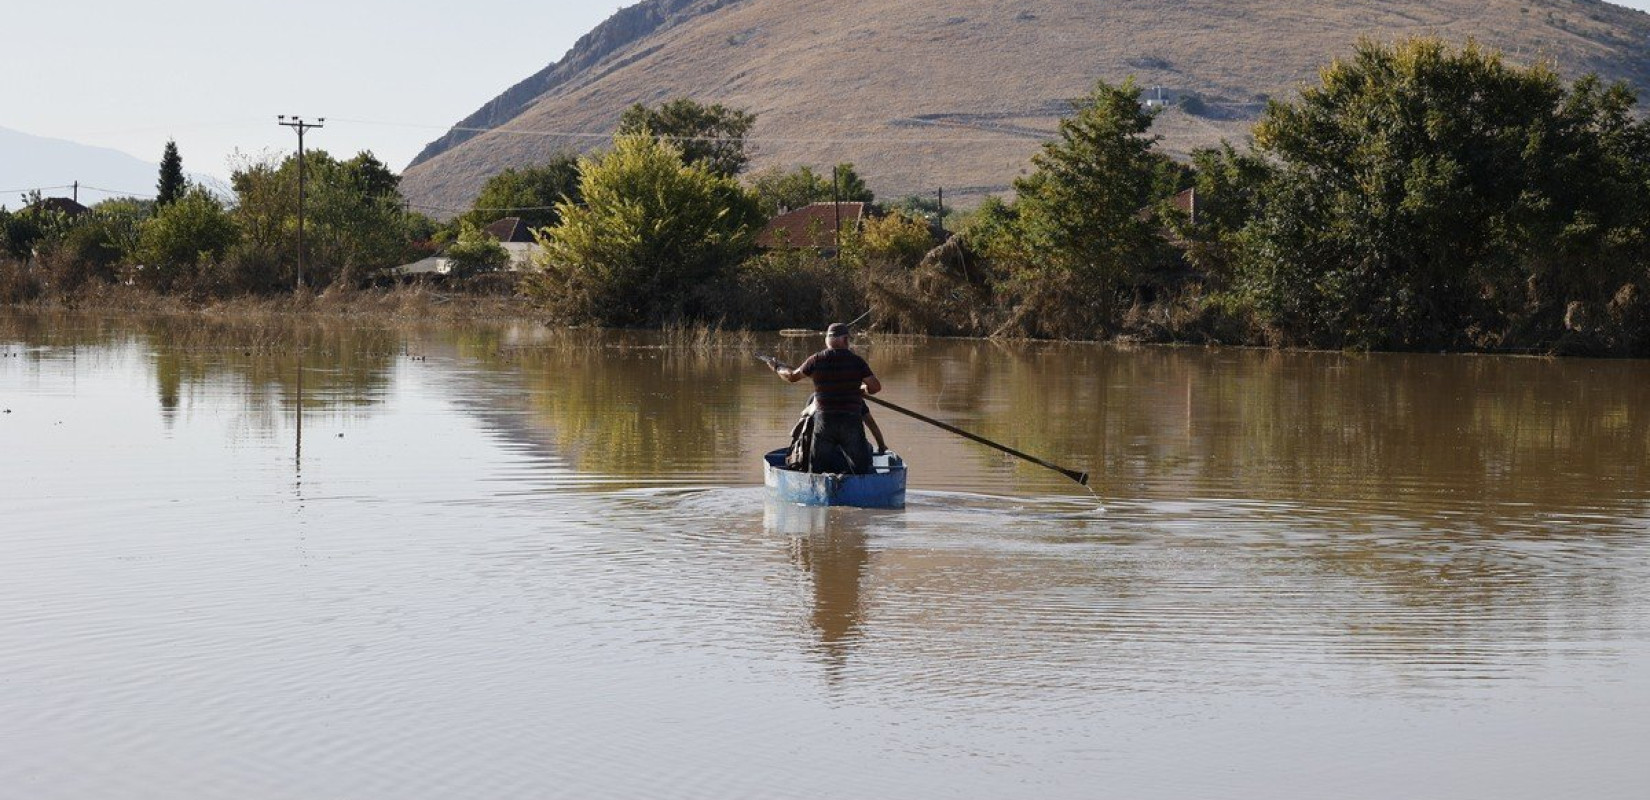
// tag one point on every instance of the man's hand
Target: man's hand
(781, 369)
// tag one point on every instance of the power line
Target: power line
(747, 139)
(503, 208)
(139, 195)
(123, 192)
(36, 189)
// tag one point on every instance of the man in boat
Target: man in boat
(841, 379)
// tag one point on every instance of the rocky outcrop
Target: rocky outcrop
(626, 27)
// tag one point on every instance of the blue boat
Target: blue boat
(883, 487)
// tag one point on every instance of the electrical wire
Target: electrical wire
(121, 192)
(1006, 137)
(36, 189)
(87, 187)
(501, 208)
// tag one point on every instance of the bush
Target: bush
(1422, 193)
(787, 288)
(184, 240)
(651, 238)
(89, 251)
(896, 239)
(18, 284)
(475, 252)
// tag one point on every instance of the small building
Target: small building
(433, 265)
(1186, 201)
(813, 226)
(517, 239)
(62, 205)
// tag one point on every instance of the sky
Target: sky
(388, 75)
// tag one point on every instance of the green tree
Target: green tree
(355, 221)
(172, 184)
(32, 228)
(778, 190)
(848, 186)
(125, 217)
(652, 238)
(530, 193)
(1079, 235)
(1229, 185)
(474, 252)
(1422, 191)
(367, 177)
(711, 136)
(184, 240)
(896, 239)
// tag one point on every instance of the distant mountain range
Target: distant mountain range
(28, 162)
(921, 94)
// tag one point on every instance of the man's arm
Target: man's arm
(871, 384)
(785, 373)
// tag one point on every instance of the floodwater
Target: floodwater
(322, 560)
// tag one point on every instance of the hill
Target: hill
(958, 93)
(39, 162)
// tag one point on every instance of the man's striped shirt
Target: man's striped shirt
(837, 375)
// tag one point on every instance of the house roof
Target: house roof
(812, 225)
(510, 229)
(62, 204)
(1186, 200)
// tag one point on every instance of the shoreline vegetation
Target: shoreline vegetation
(1421, 197)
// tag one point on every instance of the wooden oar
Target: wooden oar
(1081, 477)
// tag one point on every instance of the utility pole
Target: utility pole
(298, 124)
(836, 202)
(77, 191)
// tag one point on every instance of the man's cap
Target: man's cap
(837, 329)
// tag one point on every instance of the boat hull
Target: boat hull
(883, 488)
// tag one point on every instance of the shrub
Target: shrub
(652, 235)
(183, 240)
(474, 252)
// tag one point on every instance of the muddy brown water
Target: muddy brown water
(305, 560)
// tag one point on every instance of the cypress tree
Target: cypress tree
(172, 183)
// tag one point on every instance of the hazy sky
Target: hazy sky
(389, 75)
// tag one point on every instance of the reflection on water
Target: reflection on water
(832, 547)
(306, 558)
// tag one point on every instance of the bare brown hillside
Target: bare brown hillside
(958, 93)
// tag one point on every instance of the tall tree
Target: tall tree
(1423, 191)
(712, 136)
(850, 187)
(184, 239)
(172, 184)
(650, 240)
(354, 221)
(1079, 237)
(530, 193)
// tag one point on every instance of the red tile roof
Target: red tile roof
(812, 225)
